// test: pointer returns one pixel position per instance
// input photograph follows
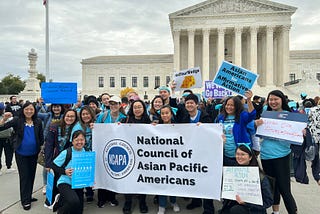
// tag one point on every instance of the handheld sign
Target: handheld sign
(187, 79)
(235, 78)
(83, 165)
(215, 91)
(59, 93)
(283, 125)
(49, 187)
(242, 181)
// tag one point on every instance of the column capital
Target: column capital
(221, 30)
(286, 27)
(191, 31)
(176, 32)
(270, 28)
(238, 29)
(254, 29)
(206, 31)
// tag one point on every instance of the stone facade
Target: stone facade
(250, 33)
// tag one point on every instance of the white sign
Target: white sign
(242, 181)
(283, 125)
(188, 79)
(181, 159)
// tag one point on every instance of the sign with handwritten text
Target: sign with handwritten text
(286, 126)
(242, 181)
(235, 78)
(83, 165)
(59, 92)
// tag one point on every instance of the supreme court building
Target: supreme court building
(253, 34)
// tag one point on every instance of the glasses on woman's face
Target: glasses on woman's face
(241, 154)
(70, 116)
(137, 107)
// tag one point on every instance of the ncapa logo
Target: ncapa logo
(118, 158)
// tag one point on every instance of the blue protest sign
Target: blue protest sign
(235, 78)
(49, 188)
(59, 92)
(83, 165)
(214, 91)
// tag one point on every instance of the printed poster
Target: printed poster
(161, 159)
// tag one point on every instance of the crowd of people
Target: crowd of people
(32, 128)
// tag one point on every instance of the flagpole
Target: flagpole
(47, 41)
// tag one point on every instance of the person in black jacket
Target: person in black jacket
(14, 107)
(197, 116)
(26, 143)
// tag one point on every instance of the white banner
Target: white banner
(242, 181)
(178, 160)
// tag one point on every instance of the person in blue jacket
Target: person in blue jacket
(235, 120)
(246, 157)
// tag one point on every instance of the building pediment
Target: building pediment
(224, 7)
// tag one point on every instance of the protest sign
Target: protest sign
(242, 181)
(214, 91)
(59, 93)
(161, 159)
(49, 187)
(283, 125)
(83, 165)
(188, 79)
(235, 78)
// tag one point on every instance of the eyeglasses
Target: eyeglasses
(70, 116)
(241, 154)
(138, 107)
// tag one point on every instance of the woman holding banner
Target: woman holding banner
(136, 114)
(245, 157)
(167, 117)
(275, 157)
(114, 115)
(235, 120)
(72, 198)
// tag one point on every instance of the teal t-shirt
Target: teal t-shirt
(59, 161)
(229, 146)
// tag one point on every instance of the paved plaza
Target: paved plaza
(307, 198)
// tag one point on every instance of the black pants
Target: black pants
(106, 195)
(27, 166)
(8, 152)
(279, 168)
(72, 200)
(208, 206)
(128, 198)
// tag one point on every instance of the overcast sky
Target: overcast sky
(86, 28)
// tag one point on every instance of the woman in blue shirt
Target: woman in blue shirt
(72, 198)
(275, 157)
(27, 140)
(235, 120)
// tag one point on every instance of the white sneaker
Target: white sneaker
(11, 170)
(44, 189)
(175, 207)
(56, 200)
(162, 210)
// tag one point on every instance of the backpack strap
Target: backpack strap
(68, 157)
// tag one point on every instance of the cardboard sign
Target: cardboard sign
(286, 126)
(59, 93)
(235, 78)
(188, 79)
(242, 181)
